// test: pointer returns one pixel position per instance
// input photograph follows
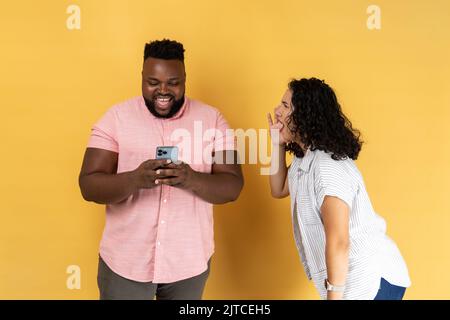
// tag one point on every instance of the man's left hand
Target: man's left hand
(177, 175)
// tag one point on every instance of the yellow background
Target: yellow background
(393, 83)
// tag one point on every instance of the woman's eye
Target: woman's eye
(173, 83)
(153, 83)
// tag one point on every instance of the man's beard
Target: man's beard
(176, 106)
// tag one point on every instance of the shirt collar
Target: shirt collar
(305, 162)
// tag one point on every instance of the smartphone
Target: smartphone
(167, 152)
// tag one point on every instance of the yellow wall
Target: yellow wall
(393, 83)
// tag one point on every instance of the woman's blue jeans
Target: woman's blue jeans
(389, 291)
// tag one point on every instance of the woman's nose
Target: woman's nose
(277, 112)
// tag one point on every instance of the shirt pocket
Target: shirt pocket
(307, 212)
(134, 150)
(306, 209)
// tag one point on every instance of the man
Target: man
(158, 236)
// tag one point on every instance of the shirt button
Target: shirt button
(162, 222)
(165, 200)
(159, 243)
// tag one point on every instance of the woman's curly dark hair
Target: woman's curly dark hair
(317, 120)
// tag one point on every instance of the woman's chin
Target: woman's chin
(285, 137)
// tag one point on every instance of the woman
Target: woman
(342, 242)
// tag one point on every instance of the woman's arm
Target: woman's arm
(279, 186)
(335, 216)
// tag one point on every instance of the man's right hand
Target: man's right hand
(145, 175)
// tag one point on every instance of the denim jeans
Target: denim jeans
(389, 291)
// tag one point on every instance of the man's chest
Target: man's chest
(139, 138)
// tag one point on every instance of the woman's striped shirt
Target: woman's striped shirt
(372, 254)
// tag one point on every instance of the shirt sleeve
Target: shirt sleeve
(225, 138)
(104, 132)
(334, 180)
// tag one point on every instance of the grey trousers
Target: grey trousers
(114, 287)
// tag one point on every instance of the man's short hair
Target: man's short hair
(164, 49)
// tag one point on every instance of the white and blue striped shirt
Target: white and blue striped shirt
(372, 256)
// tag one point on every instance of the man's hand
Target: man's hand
(145, 175)
(223, 184)
(177, 175)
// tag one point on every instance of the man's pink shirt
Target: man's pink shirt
(163, 234)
